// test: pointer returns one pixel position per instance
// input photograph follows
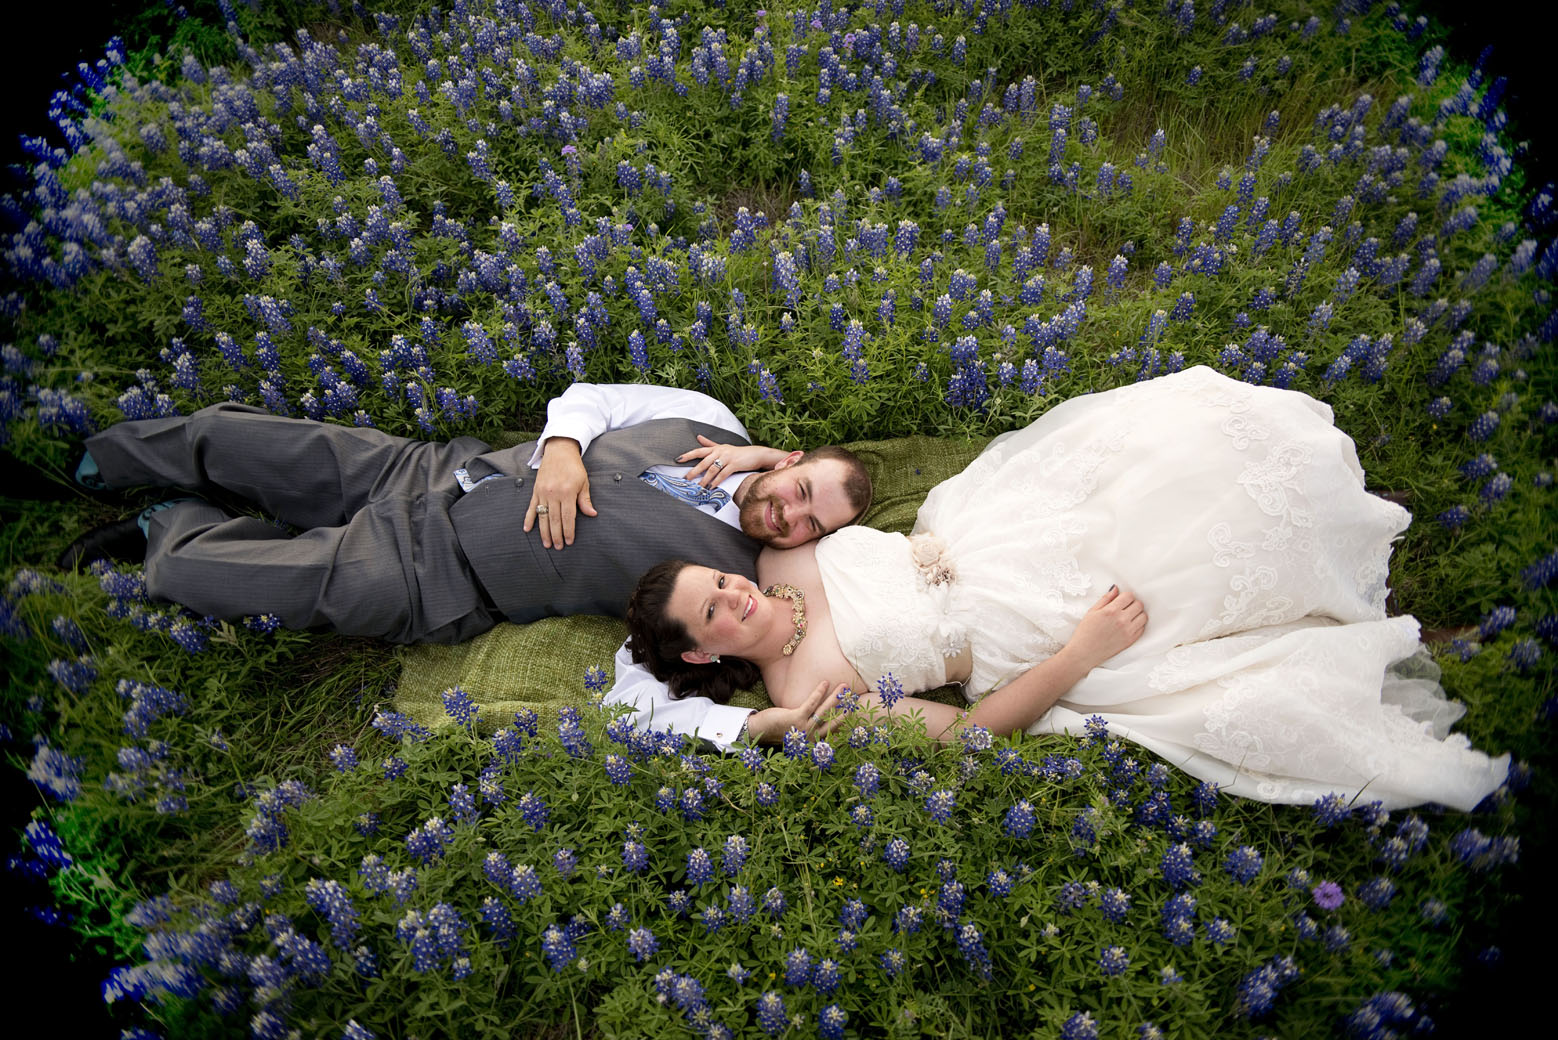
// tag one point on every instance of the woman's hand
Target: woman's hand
(1113, 623)
(771, 724)
(736, 458)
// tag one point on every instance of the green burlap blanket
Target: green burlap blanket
(541, 666)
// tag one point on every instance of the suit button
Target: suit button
(617, 477)
(519, 481)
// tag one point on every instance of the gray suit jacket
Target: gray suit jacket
(638, 526)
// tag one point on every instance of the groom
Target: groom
(413, 541)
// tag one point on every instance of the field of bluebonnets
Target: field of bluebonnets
(848, 222)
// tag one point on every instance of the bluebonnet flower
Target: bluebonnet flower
(889, 690)
(1482, 853)
(766, 794)
(46, 845)
(772, 1015)
(940, 805)
(429, 841)
(635, 856)
(1539, 574)
(558, 944)
(1219, 931)
(797, 967)
(896, 854)
(867, 780)
(1072, 896)
(832, 1019)
(825, 977)
(1495, 489)
(822, 755)
(459, 707)
(533, 810)
(1082, 1026)
(1114, 904)
(396, 725)
(1377, 893)
(740, 904)
(462, 804)
(734, 854)
(1113, 960)
(700, 867)
(1178, 866)
(1495, 621)
(75, 676)
(1454, 518)
(1242, 864)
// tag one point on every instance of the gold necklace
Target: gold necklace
(797, 600)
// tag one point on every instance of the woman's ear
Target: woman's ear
(696, 657)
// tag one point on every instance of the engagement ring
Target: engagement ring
(542, 510)
(719, 463)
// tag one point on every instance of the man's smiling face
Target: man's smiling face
(794, 504)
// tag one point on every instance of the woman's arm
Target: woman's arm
(1110, 625)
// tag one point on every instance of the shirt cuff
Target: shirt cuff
(722, 724)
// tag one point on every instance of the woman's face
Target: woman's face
(723, 613)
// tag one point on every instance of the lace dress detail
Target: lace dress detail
(863, 570)
(1238, 515)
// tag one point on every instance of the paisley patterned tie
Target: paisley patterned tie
(689, 491)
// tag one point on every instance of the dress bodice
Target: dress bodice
(889, 596)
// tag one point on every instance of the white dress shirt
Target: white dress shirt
(585, 411)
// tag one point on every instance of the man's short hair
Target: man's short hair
(857, 479)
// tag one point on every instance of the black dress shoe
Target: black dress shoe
(121, 541)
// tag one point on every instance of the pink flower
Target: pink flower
(1328, 895)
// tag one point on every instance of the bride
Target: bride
(1236, 512)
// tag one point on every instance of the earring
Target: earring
(714, 658)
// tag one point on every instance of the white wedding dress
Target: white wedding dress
(1237, 513)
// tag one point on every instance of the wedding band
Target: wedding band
(719, 463)
(815, 719)
(542, 510)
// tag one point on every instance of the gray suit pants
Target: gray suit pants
(376, 555)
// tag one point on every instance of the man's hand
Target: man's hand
(771, 724)
(736, 458)
(562, 491)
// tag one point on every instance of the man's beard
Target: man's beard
(755, 508)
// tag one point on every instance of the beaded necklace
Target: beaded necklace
(797, 600)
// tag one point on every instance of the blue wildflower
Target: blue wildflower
(940, 805)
